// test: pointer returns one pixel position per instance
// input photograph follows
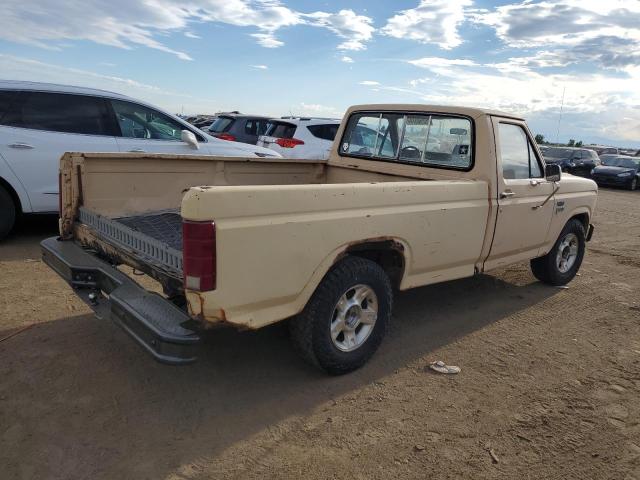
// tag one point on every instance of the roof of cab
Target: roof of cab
(53, 87)
(418, 107)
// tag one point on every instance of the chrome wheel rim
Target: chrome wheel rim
(567, 252)
(354, 317)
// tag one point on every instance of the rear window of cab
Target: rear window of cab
(430, 140)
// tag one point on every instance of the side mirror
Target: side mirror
(552, 172)
(190, 139)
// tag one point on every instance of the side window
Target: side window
(60, 112)
(324, 132)
(7, 98)
(138, 121)
(518, 156)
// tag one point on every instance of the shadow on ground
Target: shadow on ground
(24, 241)
(82, 401)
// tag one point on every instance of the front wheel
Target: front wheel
(634, 183)
(560, 265)
(346, 318)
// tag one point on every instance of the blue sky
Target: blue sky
(318, 57)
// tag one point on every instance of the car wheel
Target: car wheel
(346, 318)
(7, 213)
(560, 265)
(634, 183)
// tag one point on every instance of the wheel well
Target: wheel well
(583, 218)
(389, 254)
(16, 200)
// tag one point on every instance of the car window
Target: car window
(221, 124)
(138, 121)
(255, 127)
(429, 140)
(6, 99)
(281, 130)
(518, 156)
(324, 132)
(60, 112)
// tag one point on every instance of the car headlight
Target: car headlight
(625, 174)
(592, 170)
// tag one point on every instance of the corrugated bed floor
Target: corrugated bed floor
(163, 226)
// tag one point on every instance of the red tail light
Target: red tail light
(226, 136)
(289, 142)
(199, 255)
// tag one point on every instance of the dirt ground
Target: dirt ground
(549, 388)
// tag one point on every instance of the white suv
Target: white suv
(39, 122)
(300, 137)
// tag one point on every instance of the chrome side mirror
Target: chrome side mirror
(552, 172)
(190, 139)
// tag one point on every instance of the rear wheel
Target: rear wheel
(560, 265)
(346, 318)
(7, 213)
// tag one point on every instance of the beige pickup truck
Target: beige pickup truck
(411, 195)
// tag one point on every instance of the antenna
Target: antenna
(560, 118)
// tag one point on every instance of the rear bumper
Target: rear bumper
(155, 323)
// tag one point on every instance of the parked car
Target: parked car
(604, 150)
(39, 122)
(300, 137)
(439, 193)
(577, 161)
(620, 171)
(239, 127)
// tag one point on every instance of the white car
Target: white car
(39, 122)
(300, 137)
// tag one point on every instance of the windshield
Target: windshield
(558, 152)
(624, 162)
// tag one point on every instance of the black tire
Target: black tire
(311, 329)
(7, 213)
(546, 268)
(634, 184)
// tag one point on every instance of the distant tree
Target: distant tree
(571, 143)
(579, 144)
(539, 139)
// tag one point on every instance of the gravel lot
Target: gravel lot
(549, 388)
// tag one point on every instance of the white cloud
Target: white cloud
(513, 86)
(126, 24)
(432, 21)
(260, 67)
(312, 109)
(346, 59)
(370, 83)
(606, 33)
(355, 29)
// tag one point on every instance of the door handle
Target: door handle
(20, 145)
(137, 150)
(507, 194)
(534, 183)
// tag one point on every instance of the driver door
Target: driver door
(145, 130)
(525, 197)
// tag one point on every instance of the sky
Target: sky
(571, 67)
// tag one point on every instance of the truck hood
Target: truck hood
(573, 184)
